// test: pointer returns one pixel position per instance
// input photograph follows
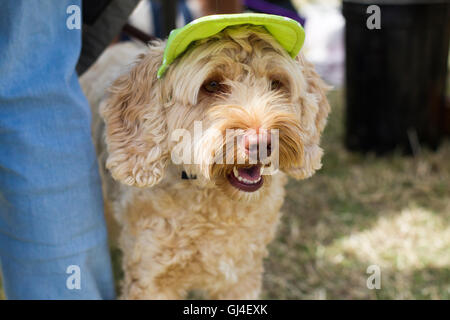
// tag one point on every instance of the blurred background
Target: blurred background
(383, 195)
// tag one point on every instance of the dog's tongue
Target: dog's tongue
(252, 173)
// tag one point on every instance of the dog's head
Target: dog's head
(230, 106)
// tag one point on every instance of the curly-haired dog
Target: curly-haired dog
(210, 232)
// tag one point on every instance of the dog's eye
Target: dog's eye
(212, 86)
(276, 85)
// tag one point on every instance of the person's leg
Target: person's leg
(51, 212)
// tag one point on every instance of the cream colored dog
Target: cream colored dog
(210, 232)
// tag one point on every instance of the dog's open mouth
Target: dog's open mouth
(247, 179)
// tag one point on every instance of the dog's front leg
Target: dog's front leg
(142, 282)
(153, 270)
(247, 287)
(139, 291)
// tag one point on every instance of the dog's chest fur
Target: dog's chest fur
(197, 228)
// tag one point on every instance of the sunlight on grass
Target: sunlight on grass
(414, 239)
(411, 247)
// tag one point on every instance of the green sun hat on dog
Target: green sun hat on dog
(288, 32)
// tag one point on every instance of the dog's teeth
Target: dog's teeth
(261, 170)
(235, 172)
(242, 179)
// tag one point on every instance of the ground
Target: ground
(357, 211)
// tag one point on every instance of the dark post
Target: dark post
(169, 12)
(396, 75)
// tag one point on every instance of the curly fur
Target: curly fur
(178, 235)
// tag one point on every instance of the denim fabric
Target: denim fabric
(51, 211)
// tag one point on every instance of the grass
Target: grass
(357, 211)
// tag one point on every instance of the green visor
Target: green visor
(289, 33)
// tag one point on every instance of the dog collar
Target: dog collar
(185, 176)
(288, 32)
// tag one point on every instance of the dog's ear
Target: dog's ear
(314, 108)
(135, 123)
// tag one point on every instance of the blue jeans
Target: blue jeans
(53, 239)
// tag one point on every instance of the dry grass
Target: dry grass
(362, 210)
